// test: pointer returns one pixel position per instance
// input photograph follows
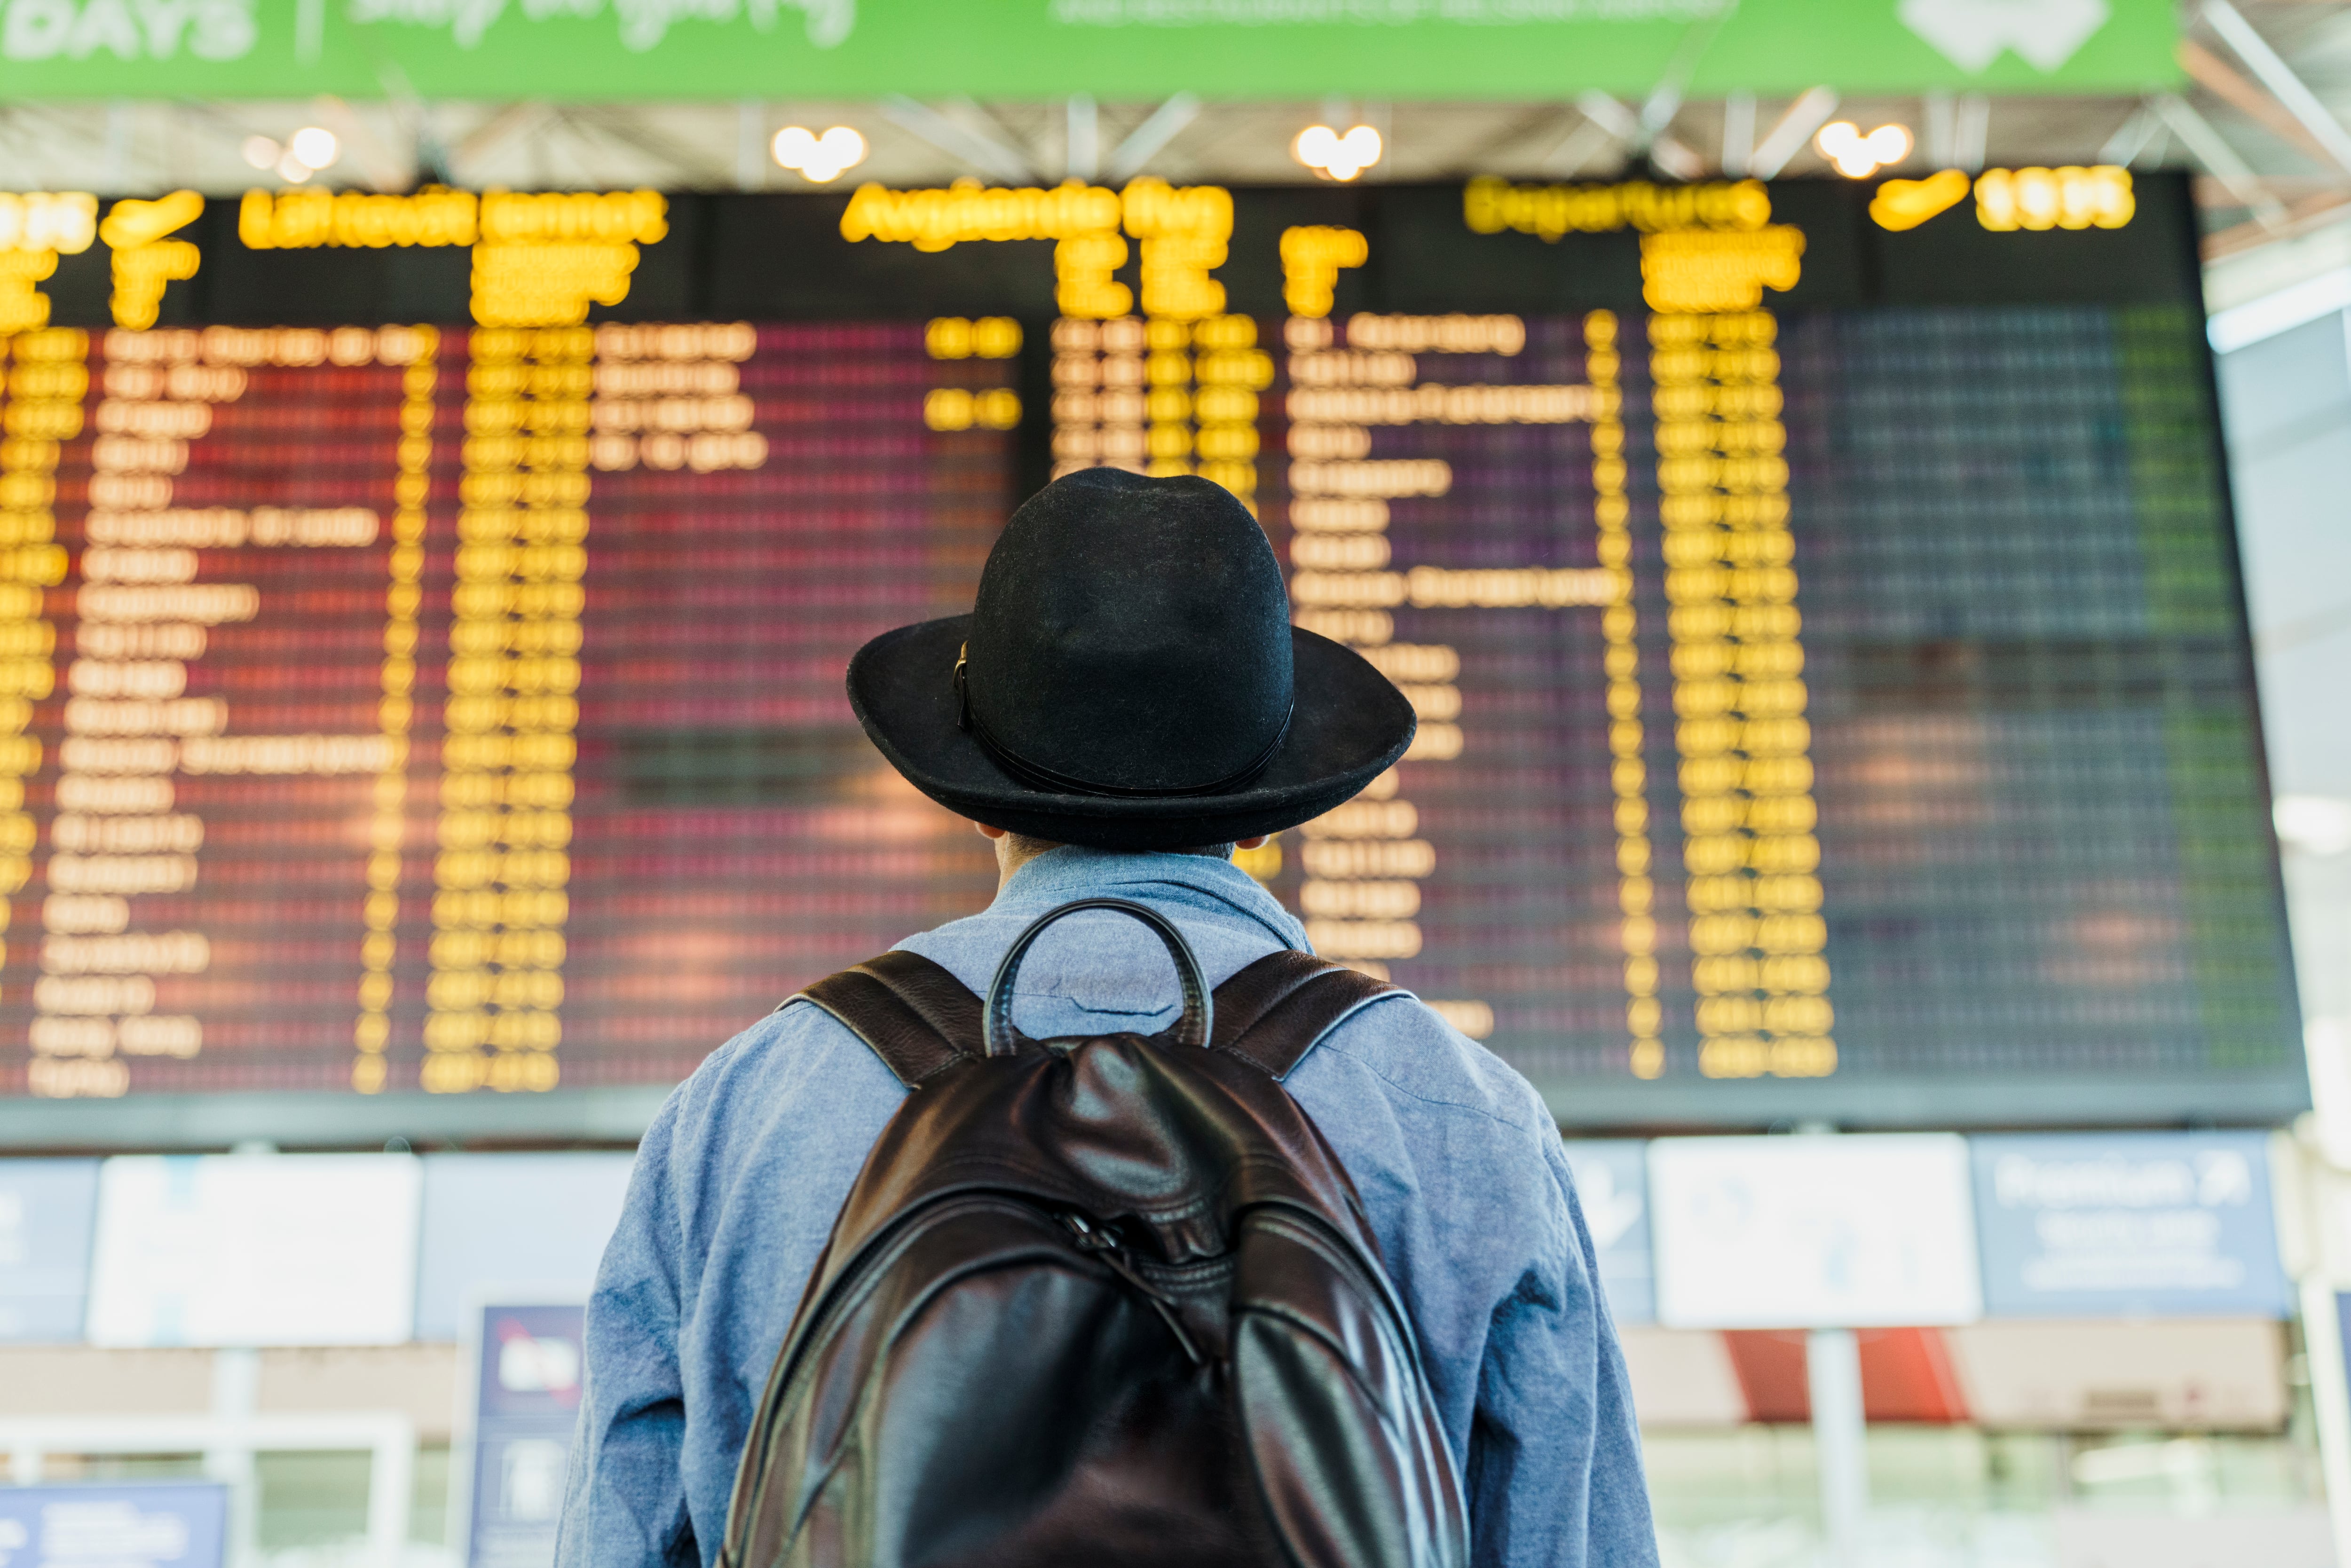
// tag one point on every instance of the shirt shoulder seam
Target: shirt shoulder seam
(1333, 1042)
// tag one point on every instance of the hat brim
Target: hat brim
(1348, 726)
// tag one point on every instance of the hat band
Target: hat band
(1039, 777)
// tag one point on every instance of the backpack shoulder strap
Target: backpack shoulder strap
(1277, 1010)
(913, 1014)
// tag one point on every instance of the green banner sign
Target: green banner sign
(1122, 49)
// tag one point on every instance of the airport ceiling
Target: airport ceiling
(2267, 134)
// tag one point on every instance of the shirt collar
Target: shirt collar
(1201, 885)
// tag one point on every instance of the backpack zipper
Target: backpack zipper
(1103, 1244)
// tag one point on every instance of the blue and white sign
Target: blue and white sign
(1612, 1181)
(2128, 1225)
(168, 1525)
(48, 1209)
(526, 1363)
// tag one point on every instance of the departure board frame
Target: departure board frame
(2006, 615)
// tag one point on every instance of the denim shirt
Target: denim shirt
(1457, 1161)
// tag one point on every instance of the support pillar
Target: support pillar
(1840, 1442)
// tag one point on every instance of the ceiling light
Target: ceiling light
(314, 146)
(1326, 152)
(261, 152)
(820, 158)
(1856, 156)
(293, 171)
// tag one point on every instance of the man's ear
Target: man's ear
(988, 832)
(1257, 842)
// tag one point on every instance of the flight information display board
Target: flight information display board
(423, 621)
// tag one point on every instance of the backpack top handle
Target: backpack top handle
(1192, 1029)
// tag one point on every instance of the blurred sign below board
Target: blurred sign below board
(503, 1220)
(1612, 1181)
(1813, 1232)
(2078, 1375)
(2128, 1225)
(168, 1525)
(523, 1401)
(47, 1208)
(263, 1250)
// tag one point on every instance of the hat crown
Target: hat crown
(1131, 636)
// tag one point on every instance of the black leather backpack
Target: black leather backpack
(1098, 1301)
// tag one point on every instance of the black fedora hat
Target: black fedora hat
(1128, 678)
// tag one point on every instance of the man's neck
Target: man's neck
(1013, 851)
